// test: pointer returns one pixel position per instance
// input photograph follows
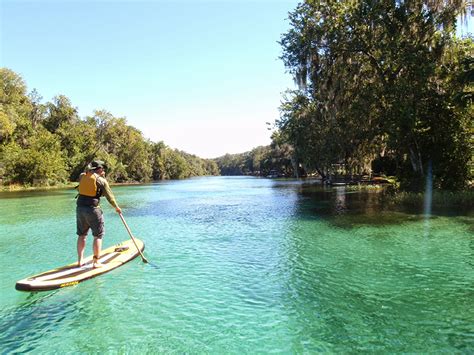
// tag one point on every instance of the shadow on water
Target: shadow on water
(20, 325)
(344, 208)
(46, 314)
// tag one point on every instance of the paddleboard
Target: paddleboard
(72, 274)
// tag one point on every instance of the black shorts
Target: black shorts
(89, 217)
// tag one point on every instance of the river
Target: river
(243, 265)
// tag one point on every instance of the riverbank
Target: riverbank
(69, 185)
(18, 187)
(442, 199)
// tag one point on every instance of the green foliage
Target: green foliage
(231, 164)
(7, 125)
(275, 159)
(384, 80)
(198, 166)
(40, 163)
(60, 112)
(173, 164)
(15, 108)
(48, 144)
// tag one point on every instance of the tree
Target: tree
(47, 144)
(369, 85)
(122, 146)
(78, 144)
(59, 112)
(15, 108)
(41, 163)
(38, 110)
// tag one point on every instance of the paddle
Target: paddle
(133, 239)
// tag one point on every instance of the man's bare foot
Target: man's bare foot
(96, 263)
(80, 263)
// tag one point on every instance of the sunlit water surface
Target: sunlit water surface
(244, 265)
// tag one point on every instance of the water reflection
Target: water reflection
(340, 200)
(428, 200)
(354, 286)
(346, 208)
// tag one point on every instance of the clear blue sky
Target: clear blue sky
(203, 76)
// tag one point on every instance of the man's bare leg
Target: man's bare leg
(81, 244)
(97, 246)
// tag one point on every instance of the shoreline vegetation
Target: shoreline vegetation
(383, 86)
(394, 197)
(69, 185)
(439, 199)
(48, 144)
(397, 103)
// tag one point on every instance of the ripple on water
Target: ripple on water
(245, 266)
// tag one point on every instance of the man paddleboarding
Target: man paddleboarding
(89, 215)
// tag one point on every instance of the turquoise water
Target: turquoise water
(244, 265)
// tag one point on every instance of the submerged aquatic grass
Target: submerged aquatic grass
(440, 199)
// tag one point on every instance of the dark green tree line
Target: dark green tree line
(48, 144)
(384, 82)
(275, 159)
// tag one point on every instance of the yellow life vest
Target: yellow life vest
(88, 185)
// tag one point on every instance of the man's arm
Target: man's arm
(107, 192)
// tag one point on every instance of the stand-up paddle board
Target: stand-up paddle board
(72, 274)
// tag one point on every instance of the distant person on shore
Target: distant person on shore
(89, 215)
